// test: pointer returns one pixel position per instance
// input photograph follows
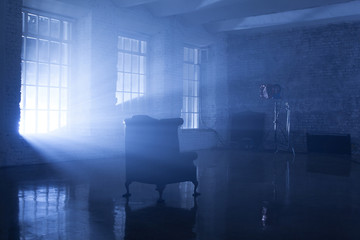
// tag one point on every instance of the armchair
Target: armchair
(153, 156)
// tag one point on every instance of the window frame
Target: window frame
(44, 82)
(192, 114)
(129, 104)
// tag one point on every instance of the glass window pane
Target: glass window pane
(43, 74)
(120, 62)
(196, 105)
(64, 76)
(32, 22)
(55, 52)
(30, 49)
(127, 82)
(55, 28)
(134, 83)
(42, 122)
(186, 54)
(63, 118)
(54, 75)
(127, 44)
(44, 27)
(66, 30)
(135, 64)
(196, 120)
(191, 72)
(43, 50)
(43, 98)
(64, 53)
(64, 101)
(119, 97)
(143, 47)
(22, 47)
(135, 45)
(191, 55)
(120, 82)
(30, 123)
(186, 71)
(31, 73)
(54, 120)
(30, 97)
(54, 98)
(186, 88)
(127, 62)
(127, 97)
(142, 64)
(142, 84)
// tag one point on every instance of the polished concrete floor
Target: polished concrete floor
(244, 195)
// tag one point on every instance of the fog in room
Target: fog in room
(179, 119)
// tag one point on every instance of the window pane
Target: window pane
(30, 123)
(30, 99)
(55, 28)
(186, 71)
(55, 52)
(119, 96)
(42, 122)
(64, 53)
(44, 26)
(43, 98)
(127, 97)
(135, 83)
(63, 118)
(66, 30)
(143, 47)
(31, 73)
(142, 83)
(127, 44)
(54, 98)
(127, 82)
(54, 75)
(127, 62)
(64, 76)
(186, 54)
(135, 64)
(64, 99)
(120, 82)
(32, 22)
(120, 61)
(142, 64)
(135, 45)
(30, 49)
(43, 50)
(43, 74)
(54, 120)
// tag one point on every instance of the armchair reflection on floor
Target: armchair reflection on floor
(153, 156)
(160, 222)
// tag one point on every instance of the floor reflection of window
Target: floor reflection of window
(131, 69)
(42, 212)
(45, 69)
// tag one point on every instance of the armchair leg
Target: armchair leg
(196, 183)
(160, 189)
(127, 194)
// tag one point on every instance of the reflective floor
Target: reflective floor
(244, 195)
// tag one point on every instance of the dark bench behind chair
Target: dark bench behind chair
(153, 156)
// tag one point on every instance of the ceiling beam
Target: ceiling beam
(132, 3)
(335, 11)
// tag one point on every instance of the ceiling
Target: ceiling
(234, 15)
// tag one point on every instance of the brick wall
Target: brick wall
(318, 68)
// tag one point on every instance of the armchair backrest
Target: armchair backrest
(148, 139)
